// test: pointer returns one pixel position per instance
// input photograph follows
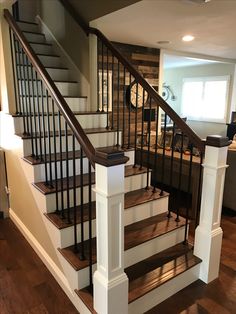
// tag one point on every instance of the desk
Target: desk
(176, 167)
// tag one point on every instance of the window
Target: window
(205, 98)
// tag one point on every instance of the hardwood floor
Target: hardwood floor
(26, 286)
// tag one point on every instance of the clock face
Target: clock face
(137, 97)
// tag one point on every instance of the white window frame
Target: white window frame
(204, 80)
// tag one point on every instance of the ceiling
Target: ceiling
(92, 9)
(144, 23)
(173, 61)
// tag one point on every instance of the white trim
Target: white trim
(49, 263)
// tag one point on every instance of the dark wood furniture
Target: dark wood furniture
(231, 130)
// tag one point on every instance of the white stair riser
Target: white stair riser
(28, 27)
(152, 247)
(35, 38)
(136, 182)
(97, 139)
(39, 170)
(51, 198)
(130, 155)
(77, 279)
(149, 248)
(50, 61)
(86, 121)
(158, 295)
(65, 88)
(65, 237)
(146, 210)
(56, 74)
(75, 103)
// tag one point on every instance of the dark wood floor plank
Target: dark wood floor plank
(26, 286)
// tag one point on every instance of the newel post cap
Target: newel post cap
(217, 141)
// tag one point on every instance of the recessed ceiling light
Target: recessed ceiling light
(163, 42)
(188, 38)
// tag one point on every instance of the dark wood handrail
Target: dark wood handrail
(65, 110)
(195, 139)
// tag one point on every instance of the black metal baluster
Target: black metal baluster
(55, 155)
(15, 74)
(129, 126)
(67, 175)
(163, 155)
(171, 168)
(107, 92)
(180, 175)
(149, 139)
(23, 91)
(142, 131)
(44, 134)
(49, 141)
(156, 146)
(199, 191)
(32, 101)
(28, 109)
(90, 228)
(61, 164)
(21, 88)
(98, 78)
(74, 196)
(118, 105)
(124, 107)
(102, 77)
(39, 118)
(81, 255)
(112, 94)
(188, 191)
(136, 126)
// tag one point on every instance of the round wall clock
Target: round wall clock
(135, 95)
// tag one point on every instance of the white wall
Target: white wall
(174, 78)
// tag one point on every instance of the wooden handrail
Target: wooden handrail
(65, 110)
(194, 138)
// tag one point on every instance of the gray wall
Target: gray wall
(174, 78)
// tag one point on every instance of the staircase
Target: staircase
(158, 262)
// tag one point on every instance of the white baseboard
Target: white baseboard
(49, 263)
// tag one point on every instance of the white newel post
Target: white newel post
(208, 236)
(110, 282)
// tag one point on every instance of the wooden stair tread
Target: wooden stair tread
(87, 131)
(135, 234)
(150, 228)
(36, 161)
(156, 270)
(62, 183)
(133, 198)
(152, 272)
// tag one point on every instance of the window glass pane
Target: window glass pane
(192, 99)
(214, 99)
(205, 99)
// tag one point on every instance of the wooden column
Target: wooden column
(110, 281)
(208, 237)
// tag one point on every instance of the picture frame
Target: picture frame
(178, 140)
(166, 137)
(233, 117)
